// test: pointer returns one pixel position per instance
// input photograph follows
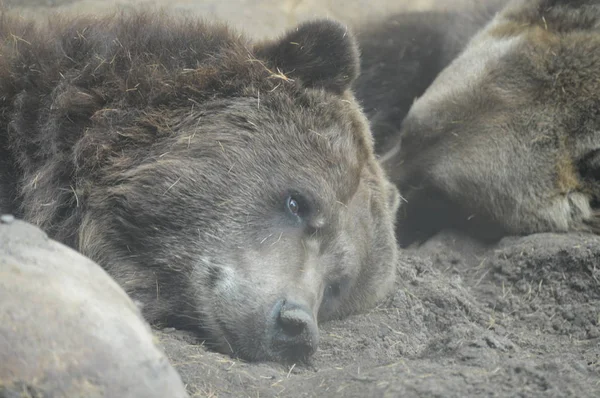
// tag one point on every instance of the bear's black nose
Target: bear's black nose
(295, 334)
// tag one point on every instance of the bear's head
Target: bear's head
(239, 196)
(508, 130)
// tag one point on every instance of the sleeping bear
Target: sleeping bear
(230, 187)
(506, 139)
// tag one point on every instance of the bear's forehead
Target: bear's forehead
(306, 125)
(289, 147)
(517, 62)
(465, 78)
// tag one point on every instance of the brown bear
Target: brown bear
(230, 187)
(505, 140)
(68, 330)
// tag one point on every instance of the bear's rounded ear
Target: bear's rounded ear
(321, 53)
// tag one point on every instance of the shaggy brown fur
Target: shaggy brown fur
(505, 141)
(228, 186)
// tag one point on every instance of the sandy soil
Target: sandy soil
(518, 319)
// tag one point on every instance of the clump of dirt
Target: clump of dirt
(520, 318)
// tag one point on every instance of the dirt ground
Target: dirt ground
(517, 319)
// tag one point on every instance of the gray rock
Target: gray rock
(68, 330)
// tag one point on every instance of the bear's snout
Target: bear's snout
(293, 331)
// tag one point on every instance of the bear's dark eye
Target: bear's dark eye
(333, 290)
(298, 207)
(293, 206)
